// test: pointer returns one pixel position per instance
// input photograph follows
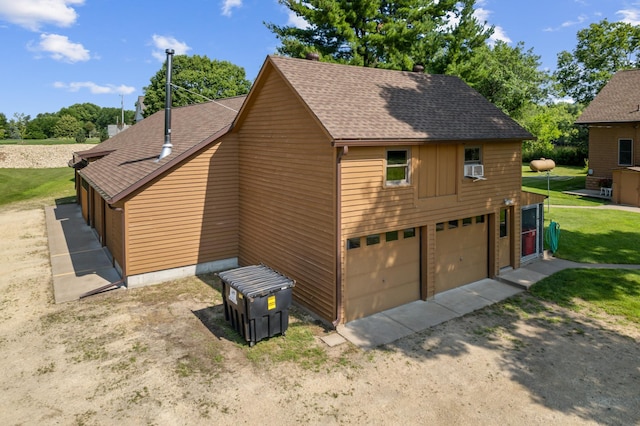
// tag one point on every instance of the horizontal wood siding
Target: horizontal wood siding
(287, 195)
(603, 150)
(368, 207)
(188, 216)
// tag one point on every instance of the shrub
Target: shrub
(566, 156)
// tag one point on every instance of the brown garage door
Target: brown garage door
(382, 272)
(461, 252)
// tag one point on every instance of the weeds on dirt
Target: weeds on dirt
(298, 345)
(46, 369)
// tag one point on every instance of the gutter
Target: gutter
(340, 143)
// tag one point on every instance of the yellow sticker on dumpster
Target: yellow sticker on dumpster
(271, 302)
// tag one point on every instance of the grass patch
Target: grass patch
(298, 346)
(614, 291)
(36, 186)
(597, 236)
(562, 178)
(50, 141)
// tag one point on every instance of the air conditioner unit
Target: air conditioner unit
(474, 170)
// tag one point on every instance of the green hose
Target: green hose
(553, 236)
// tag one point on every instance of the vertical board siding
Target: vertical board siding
(189, 216)
(287, 195)
(370, 207)
(115, 237)
(98, 219)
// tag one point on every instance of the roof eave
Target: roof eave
(339, 143)
(172, 162)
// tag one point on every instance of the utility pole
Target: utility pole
(122, 109)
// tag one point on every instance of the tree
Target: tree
(554, 125)
(67, 127)
(195, 79)
(4, 126)
(507, 76)
(90, 130)
(81, 136)
(381, 33)
(42, 127)
(603, 48)
(18, 126)
(108, 116)
(86, 112)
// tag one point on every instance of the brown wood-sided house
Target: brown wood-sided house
(613, 118)
(371, 188)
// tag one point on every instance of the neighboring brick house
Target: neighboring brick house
(613, 118)
(371, 188)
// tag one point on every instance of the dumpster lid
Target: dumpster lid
(256, 280)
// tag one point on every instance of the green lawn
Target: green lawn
(597, 235)
(615, 291)
(51, 141)
(562, 178)
(36, 186)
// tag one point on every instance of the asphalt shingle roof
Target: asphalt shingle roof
(135, 150)
(617, 102)
(370, 103)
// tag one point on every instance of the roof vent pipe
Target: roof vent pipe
(166, 148)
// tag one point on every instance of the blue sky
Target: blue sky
(59, 52)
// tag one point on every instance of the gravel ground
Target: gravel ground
(38, 156)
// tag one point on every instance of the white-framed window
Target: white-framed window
(473, 166)
(398, 166)
(472, 155)
(625, 152)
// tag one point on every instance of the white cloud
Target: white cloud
(499, 34)
(32, 14)
(162, 43)
(227, 5)
(482, 15)
(60, 48)
(296, 21)
(568, 24)
(94, 88)
(630, 16)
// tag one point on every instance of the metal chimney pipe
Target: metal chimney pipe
(166, 148)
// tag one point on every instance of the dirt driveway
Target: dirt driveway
(162, 355)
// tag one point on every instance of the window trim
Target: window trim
(473, 147)
(504, 224)
(630, 151)
(407, 166)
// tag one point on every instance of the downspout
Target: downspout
(341, 153)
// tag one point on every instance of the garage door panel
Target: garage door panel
(371, 303)
(382, 280)
(461, 256)
(381, 277)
